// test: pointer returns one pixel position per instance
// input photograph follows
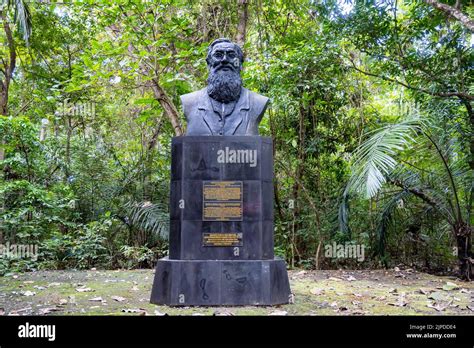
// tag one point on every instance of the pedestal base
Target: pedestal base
(220, 282)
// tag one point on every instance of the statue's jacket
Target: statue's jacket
(203, 120)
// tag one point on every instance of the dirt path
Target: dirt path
(376, 292)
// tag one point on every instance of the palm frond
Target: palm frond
(375, 158)
(150, 217)
(22, 16)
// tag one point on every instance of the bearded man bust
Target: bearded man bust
(224, 107)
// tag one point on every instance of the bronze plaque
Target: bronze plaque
(222, 201)
(222, 239)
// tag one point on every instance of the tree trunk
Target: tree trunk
(8, 66)
(168, 105)
(463, 234)
(243, 6)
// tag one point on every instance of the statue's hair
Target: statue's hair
(240, 53)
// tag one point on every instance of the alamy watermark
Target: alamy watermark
(345, 251)
(78, 108)
(19, 251)
(229, 155)
(37, 331)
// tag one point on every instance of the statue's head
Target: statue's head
(224, 54)
(224, 61)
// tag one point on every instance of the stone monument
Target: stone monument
(221, 198)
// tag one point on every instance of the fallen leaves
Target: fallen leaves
(118, 298)
(316, 291)
(18, 311)
(335, 279)
(84, 289)
(28, 293)
(439, 306)
(450, 286)
(140, 311)
(96, 299)
(338, 292)
(45, 311)
(401, 301)
(438, 296)
(423, 291)
(223, 313)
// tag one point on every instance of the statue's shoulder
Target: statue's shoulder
(193, 97)
(192, 100)
(257, 97)
(258, 102)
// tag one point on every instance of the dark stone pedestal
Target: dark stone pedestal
(220, 282)
(221, 228)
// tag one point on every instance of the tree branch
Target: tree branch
(460, 95)
(453, 12)
(422, 195)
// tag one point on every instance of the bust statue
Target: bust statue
(224, 107)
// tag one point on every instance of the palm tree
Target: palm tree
(444, 183)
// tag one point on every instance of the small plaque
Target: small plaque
(222, 201)
(222, 239)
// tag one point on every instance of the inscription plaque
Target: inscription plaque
(222, 239)
(222, 200)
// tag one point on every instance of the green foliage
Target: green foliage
(92, 188)
(82, 249)
(141, 256)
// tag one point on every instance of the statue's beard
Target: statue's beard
(224, 86)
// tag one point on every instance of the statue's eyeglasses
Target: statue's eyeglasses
(221, 54)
